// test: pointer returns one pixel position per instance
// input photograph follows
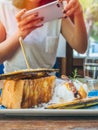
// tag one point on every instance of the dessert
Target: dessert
(28, 92)
(27, 88)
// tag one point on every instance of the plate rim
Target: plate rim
(49, 112)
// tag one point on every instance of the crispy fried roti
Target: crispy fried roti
(28, 74)
(76, 104)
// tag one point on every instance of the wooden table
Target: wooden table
(48, 123)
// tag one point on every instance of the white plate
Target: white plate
(49, 112)
(92, 111)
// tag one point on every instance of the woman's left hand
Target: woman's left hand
(72, 7)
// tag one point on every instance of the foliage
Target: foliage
(74, 74)
(90, 8)
(86, 3)
(94, 31)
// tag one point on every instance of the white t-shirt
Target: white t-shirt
(40, 45)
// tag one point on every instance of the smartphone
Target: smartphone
(49, 12)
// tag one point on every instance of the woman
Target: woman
(40, 40)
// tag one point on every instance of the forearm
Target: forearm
(75, 33)
(73, 28)
(9, 47)
(80, 33)
(2, 32)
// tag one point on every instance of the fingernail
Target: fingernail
(24, 10)
(58, 5)
(65, 17)
(42, 18)
(64, 11)
(36, 14)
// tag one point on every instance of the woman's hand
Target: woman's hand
(72, 7)
(28, 23)
(73, 29)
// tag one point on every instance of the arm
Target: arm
(74, 32)
(2, 32)
(9, 46)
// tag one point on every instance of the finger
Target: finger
(64, 77)
(72, 10)
(37, 26)
(19, 15)
(29, 18)
(71, 3)
(33, 24)
(35, 14)
(33, 28)
(71, 7)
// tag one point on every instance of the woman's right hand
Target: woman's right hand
(28, 23)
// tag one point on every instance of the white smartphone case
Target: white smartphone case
(49, 12)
